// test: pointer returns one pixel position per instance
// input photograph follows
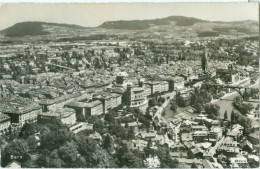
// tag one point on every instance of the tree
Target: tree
(68, 153)
(198, 107)
(127, 158)
(32, 142)
(109, 117)
(29, 129)
(80, 163)
(126, 125)
(131, 133)
(194, 165)
(225, 115)
(17, 149)
(54, 139)
(173, 106)
(232, 117)
(212, 110)
(152, 102)
(148, 150)
(101, 158)
(55, 161)
(107, 142)
(161, 99)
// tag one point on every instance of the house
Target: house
(148, 136)
(179, 151)
(186, 137)
(199, 128)
(238, 162)
(200, 136)
(138, 144)
(215, 134)
(186, 162)
(247, 146)
(152, 162)
(236, 131)
(95, 136)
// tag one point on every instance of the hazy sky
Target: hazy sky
(95, 14)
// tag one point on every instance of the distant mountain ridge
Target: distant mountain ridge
(145, 24)
(217, 27)
(33, 28)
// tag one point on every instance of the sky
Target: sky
(94, 14)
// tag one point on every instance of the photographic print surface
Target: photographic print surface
(129, 85)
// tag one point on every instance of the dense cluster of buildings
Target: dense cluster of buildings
(66, 82)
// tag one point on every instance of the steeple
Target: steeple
(204, 60)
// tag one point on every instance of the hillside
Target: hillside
(145, 24)
(33, 28)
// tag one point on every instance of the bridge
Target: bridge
(232, 87)
(253, 88)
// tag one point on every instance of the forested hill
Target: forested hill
(33, 28)
(145, 24)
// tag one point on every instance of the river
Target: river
(226, 105)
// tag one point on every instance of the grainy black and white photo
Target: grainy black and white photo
(129, 85)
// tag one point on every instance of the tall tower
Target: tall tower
(129, 94)
(204, 60)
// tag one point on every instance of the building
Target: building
(155, 86)
(228, 75)
(5, 123)
(96, 136)
(200, 136)
(215, 134)
(164, 86)
(204, 60)
(236, 131)
(66, 115)
(85, 110)
(109, 100)
(121, 79)
(238, 162)
(152, 162)
(199, 128)
(228, 141)
(178, 83)
(81, 126)
(20, 117)
(20, 110)
(136, 97)
(147, 90)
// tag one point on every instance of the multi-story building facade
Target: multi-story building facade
(19, 118)
(66, 115)
(85, 110)
(155, 86)
(5, 123)
(136, 97)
